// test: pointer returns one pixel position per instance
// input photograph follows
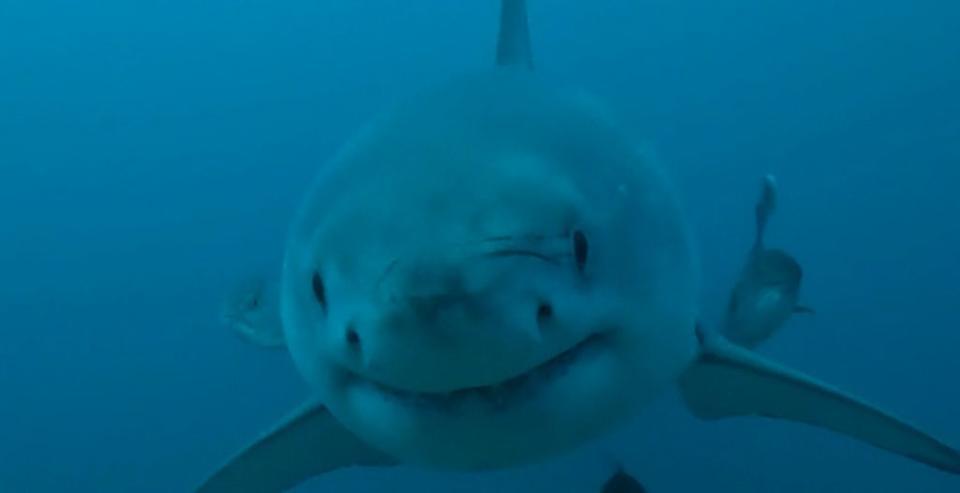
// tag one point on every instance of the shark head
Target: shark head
(489, 274)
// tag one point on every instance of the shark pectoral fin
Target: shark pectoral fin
(805, 310)
(728, 381)
(306, 444)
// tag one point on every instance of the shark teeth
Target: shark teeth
(498, 396)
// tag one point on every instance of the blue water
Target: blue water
(151, 152)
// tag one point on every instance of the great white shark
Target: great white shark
(491, 274)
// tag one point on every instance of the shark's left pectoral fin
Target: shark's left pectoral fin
(306, 444)
(729, 381)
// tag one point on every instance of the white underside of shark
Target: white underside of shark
(490, 275)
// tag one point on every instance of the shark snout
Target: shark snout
(436, 325)
(422, 282)
(444, 296)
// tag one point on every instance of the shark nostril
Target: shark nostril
(544, 312)
(353, 338)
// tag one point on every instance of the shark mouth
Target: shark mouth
(498, 396)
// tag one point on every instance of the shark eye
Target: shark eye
(580, 249)
(318, 290)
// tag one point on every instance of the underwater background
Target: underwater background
(152, 154)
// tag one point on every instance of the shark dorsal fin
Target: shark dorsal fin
(513, 44)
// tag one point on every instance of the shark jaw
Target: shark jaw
(497, 397)
(566, 400)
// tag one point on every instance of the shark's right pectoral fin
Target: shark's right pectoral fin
(306, 444)
(729, 381)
